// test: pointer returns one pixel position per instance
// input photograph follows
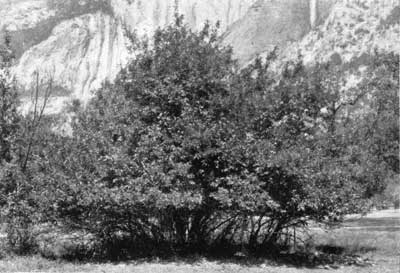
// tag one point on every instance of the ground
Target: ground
(375, 237)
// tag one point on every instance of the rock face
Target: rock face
(146, 16)
(80, 53)
(82, 43)
(267, 24)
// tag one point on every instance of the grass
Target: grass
(371, 238)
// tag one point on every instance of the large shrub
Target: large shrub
(186, 151)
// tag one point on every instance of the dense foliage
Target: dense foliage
(187, 152)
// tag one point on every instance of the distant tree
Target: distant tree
(376, 130)
(9, 119)
(8, 103)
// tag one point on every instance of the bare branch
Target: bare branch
(38, 113)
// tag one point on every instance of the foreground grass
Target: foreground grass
(37, 264)
(375, 238)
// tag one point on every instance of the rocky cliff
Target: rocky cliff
(274, 23)
(82, 43)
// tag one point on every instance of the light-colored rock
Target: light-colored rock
(84, 44)
(23, 14)
(80, 54)
(147, 16)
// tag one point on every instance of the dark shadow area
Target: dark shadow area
(324, 255)
(328, 249)
(338, 250)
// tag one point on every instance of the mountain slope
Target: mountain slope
(82, 43)
(353, 30)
